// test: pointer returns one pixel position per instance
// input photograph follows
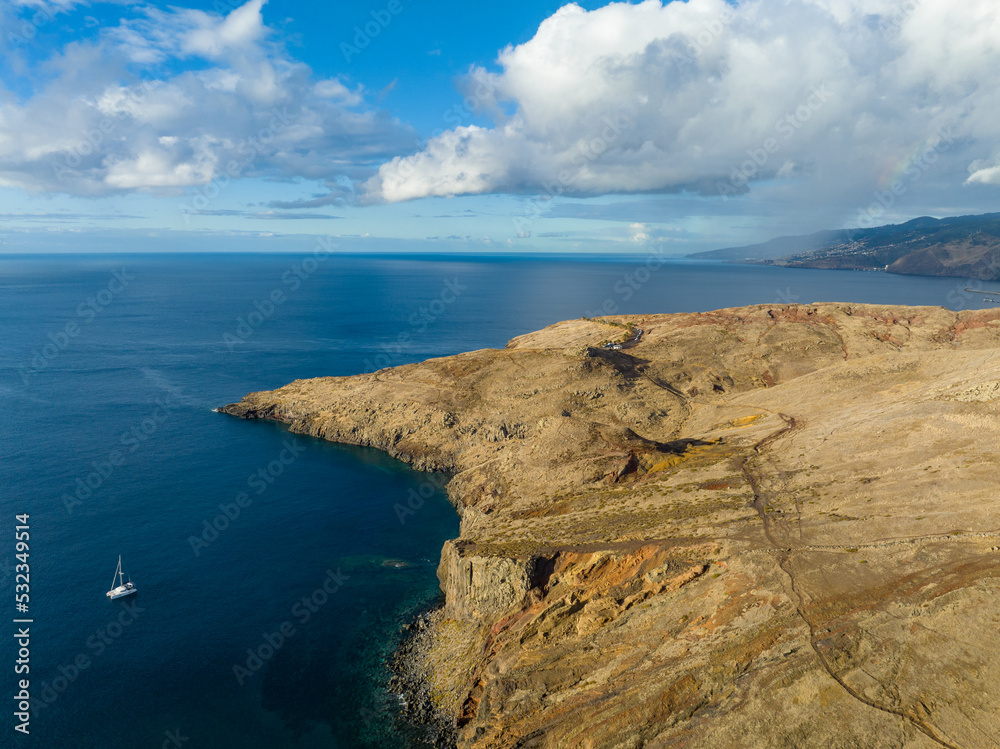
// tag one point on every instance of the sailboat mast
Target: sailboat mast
(118, 571)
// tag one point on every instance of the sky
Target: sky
(528, 126)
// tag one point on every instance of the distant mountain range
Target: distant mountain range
(962, 246)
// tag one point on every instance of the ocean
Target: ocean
(274, 571)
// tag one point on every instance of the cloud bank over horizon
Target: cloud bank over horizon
(707, 97)
(815, 107)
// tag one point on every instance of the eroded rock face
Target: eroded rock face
(772, 526)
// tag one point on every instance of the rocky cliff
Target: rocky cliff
(772, 526)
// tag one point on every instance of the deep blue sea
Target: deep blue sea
(273, 572)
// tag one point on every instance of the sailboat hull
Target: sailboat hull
(121, 591)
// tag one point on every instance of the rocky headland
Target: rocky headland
(771, 526)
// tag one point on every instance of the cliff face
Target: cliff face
(769, 526)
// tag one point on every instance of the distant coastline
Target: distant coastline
(957, 247)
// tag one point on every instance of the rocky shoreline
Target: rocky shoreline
(410, 666)
(765, 527)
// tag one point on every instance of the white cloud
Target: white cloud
(174, 98)
(638, 234)
(709, 97)
(49, 4)
(333, 89)
(212, 38)
(157, 35)
(985, 172)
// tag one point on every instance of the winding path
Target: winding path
(752, 471)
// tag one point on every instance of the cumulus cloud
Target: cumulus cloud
(708, 97)
(170, 99)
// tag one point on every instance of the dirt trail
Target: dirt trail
(751, 469)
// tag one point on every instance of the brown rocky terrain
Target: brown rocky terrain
(772, 526)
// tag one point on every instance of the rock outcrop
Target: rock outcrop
(772, 526)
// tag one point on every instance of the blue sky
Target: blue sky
(404, 125)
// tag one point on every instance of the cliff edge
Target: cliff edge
(770, 526)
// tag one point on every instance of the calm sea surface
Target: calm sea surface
(273, 571)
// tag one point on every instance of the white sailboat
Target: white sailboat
(122, 588)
